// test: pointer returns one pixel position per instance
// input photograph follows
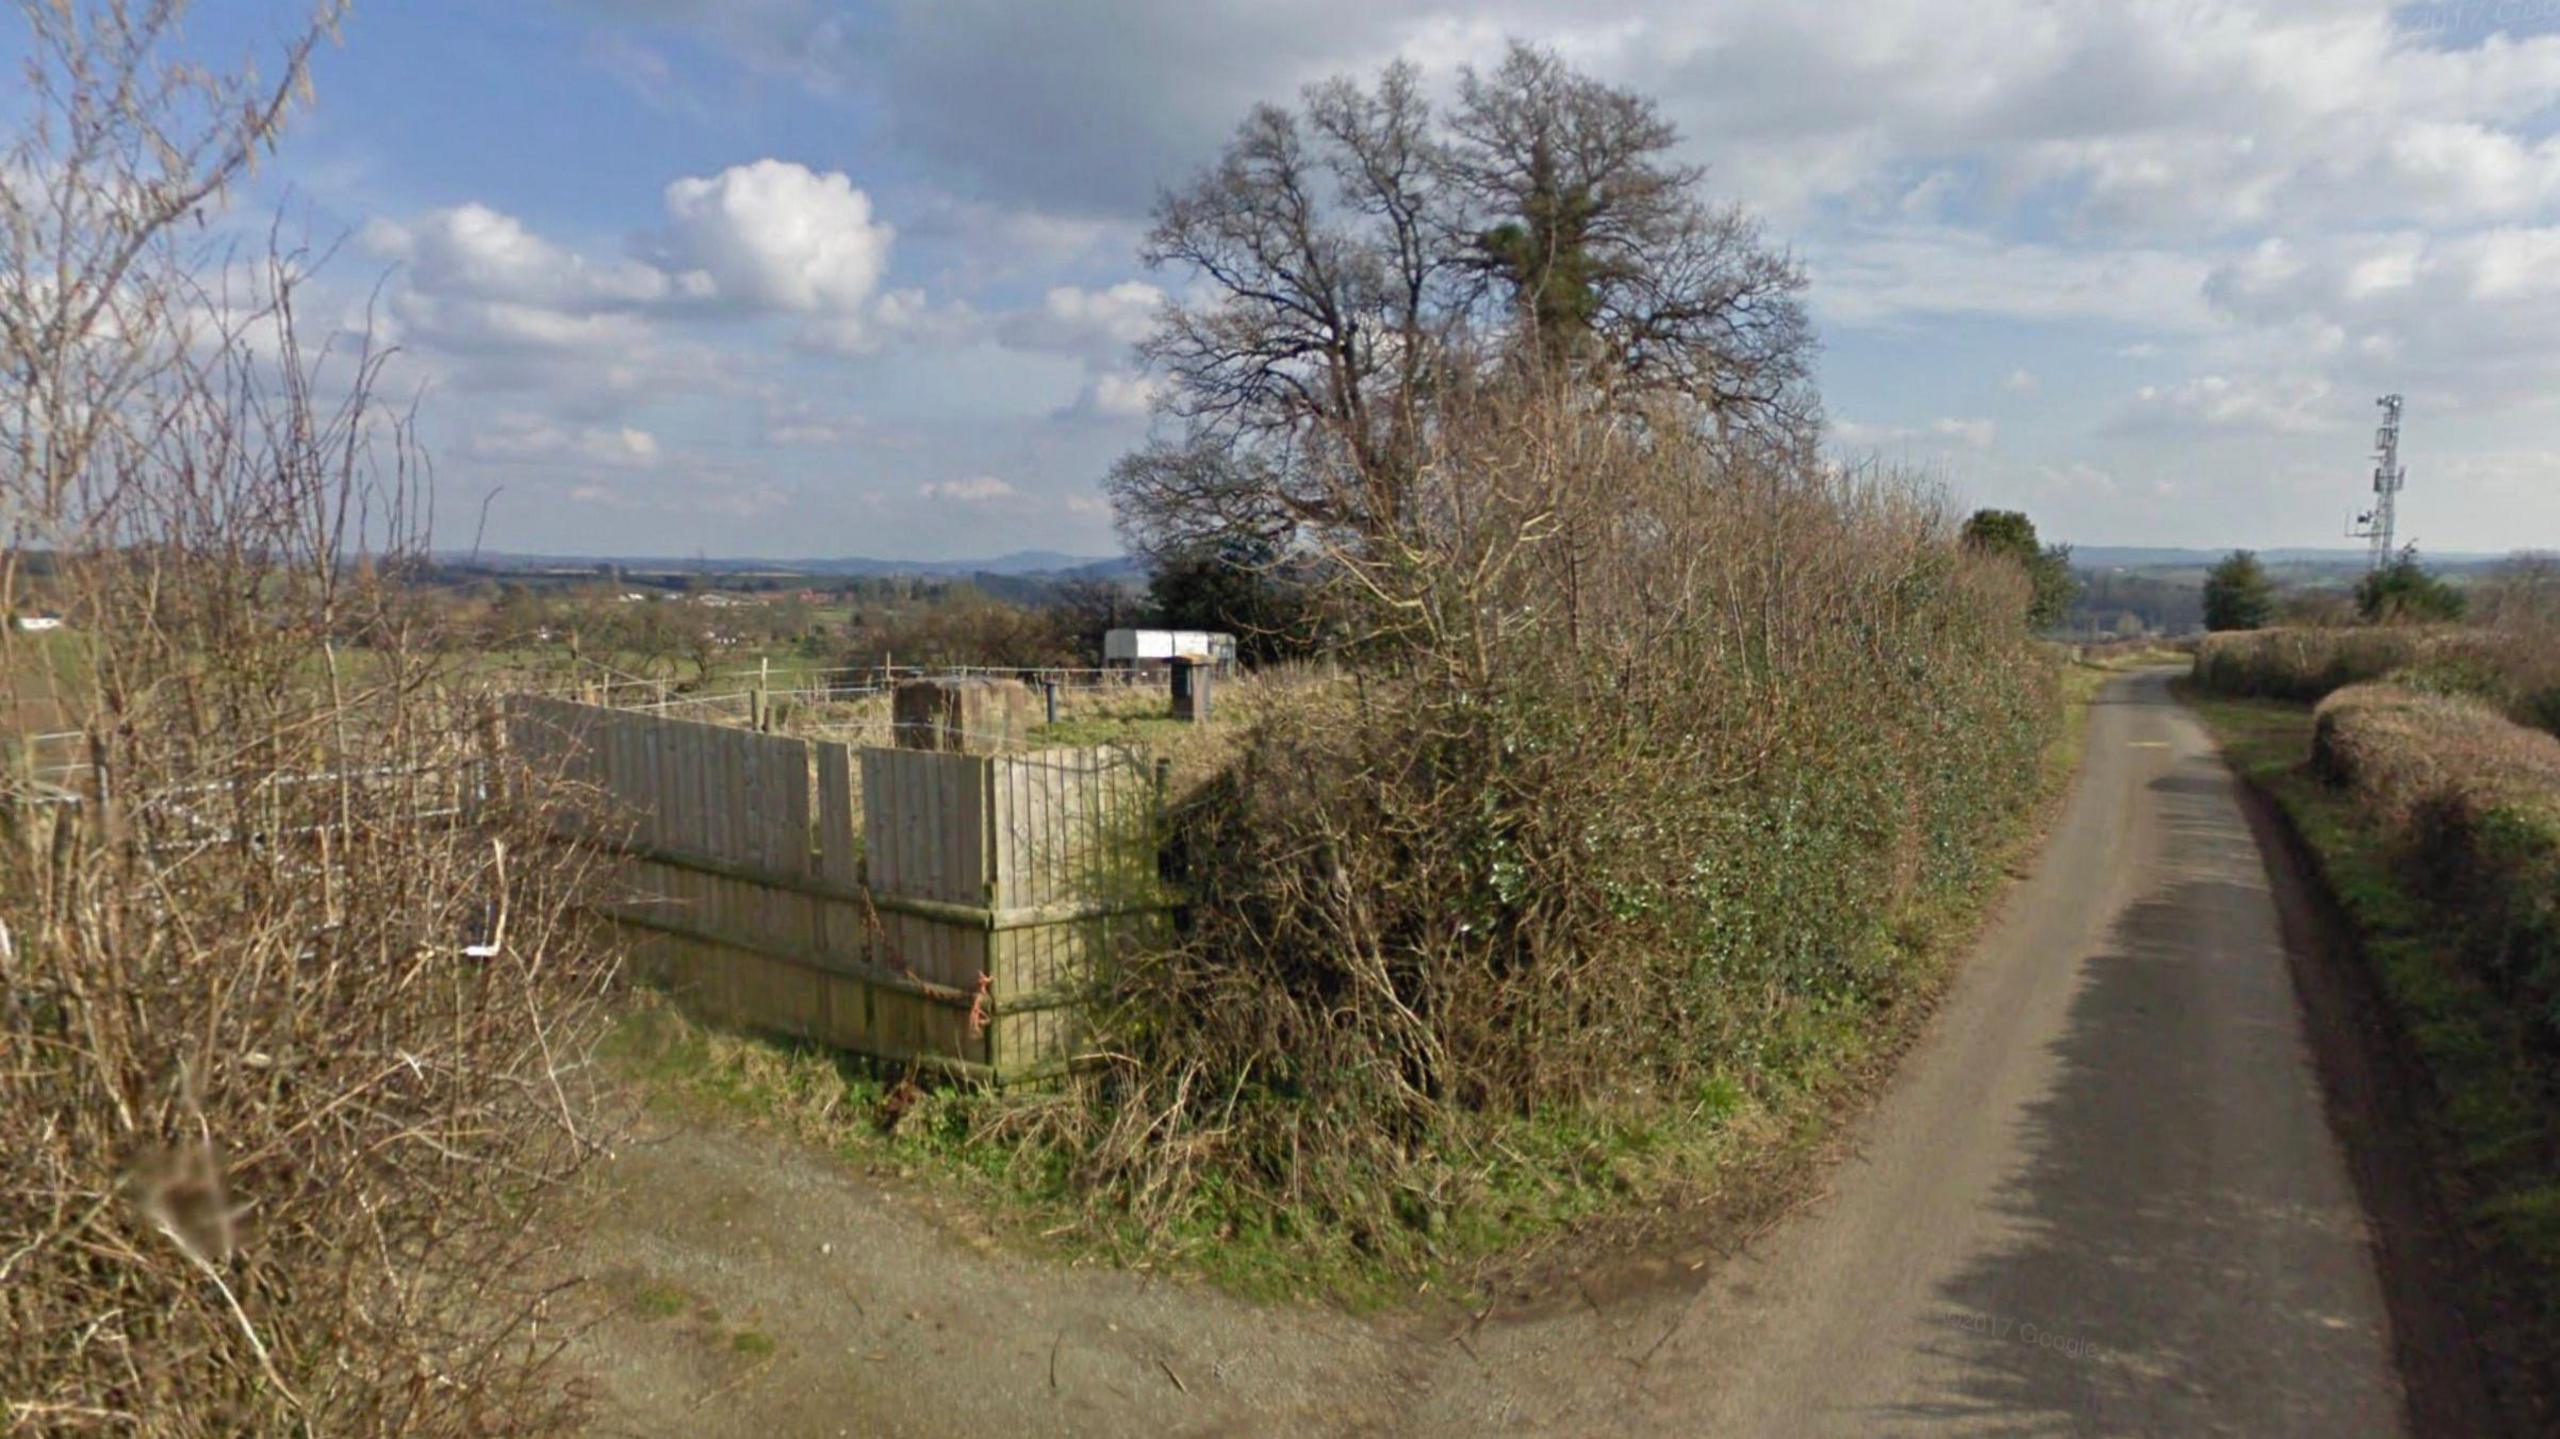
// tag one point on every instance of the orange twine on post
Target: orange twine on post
(978, 1006)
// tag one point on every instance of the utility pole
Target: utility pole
(2379, 523)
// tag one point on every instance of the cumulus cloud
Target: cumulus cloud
(1101, 323)
(1115, 395)
(475, 253)
(766, 237)
(779, 236)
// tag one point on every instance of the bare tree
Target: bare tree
(125, 147)
(1362, 258)
(1605, 254)
(1323, 239)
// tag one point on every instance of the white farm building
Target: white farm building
(1131, 649)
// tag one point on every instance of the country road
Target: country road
(2101, 1197)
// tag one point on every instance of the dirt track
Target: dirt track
(2101, 1198)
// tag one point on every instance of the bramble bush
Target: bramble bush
(1654, 747)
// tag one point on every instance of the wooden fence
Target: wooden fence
(905, 904)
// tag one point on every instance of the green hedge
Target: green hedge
(2301, 664)
(2466, 804)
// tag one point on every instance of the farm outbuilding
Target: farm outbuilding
(1151, 649)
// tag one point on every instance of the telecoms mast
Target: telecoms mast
(2377, 524)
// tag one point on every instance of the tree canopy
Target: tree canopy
(2237, 593)
(2405, 590)
(1242, 588)
(2011, 534)
(1358, 260)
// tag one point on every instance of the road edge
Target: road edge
(1675, 1243)
(2438, 1290)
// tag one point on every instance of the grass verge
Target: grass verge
(1732, 1143)
(2466, 1043)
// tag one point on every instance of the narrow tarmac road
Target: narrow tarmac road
(2101, 1198)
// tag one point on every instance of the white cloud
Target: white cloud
(1101, 323)
(2467, 317)
(779, 236)
(1115, 395)
(2270, 209)
(521, 437)
(1894, 276)
(792, 420)
(768, 236)
(1940, 434)
(2302, 405)
(473, 252)
(975, 490)
(1974, 434)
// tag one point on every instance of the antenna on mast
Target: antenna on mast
(2378, 524)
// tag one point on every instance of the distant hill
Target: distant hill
(1024, 563)
(2141, 557)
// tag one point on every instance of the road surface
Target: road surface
(2100, 1198)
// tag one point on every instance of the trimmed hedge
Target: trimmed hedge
(2467, 805)
(2301, 664)
(2514, 668)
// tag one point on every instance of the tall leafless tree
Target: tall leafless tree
(1360, 258)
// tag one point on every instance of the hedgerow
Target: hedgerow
(2466, 805)
(1655, 755)
(2513, 664)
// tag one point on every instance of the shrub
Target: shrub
(1658, 748)
(2403, 591)
(2513, 665)
(2300, 664)
(2238, 594)
(2469, 804)
(2010, 534)
(292, 1014)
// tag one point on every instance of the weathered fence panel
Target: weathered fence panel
(908, 904)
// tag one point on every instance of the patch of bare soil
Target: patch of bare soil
(751, 1287)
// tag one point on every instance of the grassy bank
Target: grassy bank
(1736, 1139)
(2470, 1019)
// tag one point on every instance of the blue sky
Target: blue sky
(795, 278)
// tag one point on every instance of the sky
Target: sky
(798, 278)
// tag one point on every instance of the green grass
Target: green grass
(2148, 657)
(1737, 1134)
(2464, 1040)
(660, 1301)
(1111, 729)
